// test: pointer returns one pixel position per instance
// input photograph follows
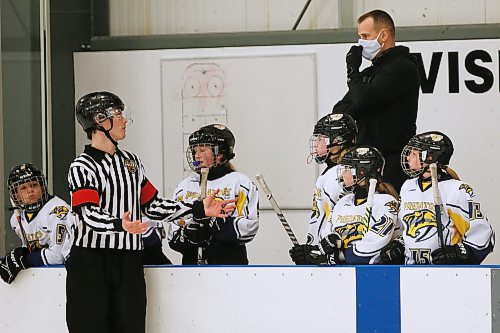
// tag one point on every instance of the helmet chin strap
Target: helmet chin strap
(106, 132)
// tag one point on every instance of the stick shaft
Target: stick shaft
(277, 209)
(437, 203)
(203, 195)
(369, 202)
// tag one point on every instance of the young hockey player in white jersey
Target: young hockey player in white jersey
(39, 220)
(332, 136)
(215, 240)
(356, 232)
(467, 234)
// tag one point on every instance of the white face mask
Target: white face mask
(370, 47)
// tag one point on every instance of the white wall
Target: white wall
(148, 17)
(469, 118)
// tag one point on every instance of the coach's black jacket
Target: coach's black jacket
(383, 99)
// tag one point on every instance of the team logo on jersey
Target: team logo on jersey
(467, 189)
(421, 256)
(393, 206)
(421, 224)
(60, 211)
(362, 151)
(130, 165)
(351, 232)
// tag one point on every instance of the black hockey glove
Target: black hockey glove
(307, 255)
(301, 253)
(13, 263)
(393, 253)
(197, 233)
(458, 254)
(331, 245)
(353, 59)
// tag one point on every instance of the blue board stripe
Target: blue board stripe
(378, 299)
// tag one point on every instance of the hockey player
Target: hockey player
(222, 240)
(332, 137)
(39, 220)
(153, 247)
(467, 234)
(355, 234)
(105, 285)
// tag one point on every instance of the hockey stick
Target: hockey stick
(19, 220)
(203, 195)
(277, 209)
(369, 202)
(437, 203)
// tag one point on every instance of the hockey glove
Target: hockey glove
(13, 263)
(197, 233)
(300, 254)
(353, 59)
(393, 253)
(458, 254)
(331, 245)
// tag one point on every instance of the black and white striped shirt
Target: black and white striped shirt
(103, 187)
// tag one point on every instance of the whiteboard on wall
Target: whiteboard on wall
(268, 102)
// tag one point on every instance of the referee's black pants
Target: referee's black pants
(105, 291)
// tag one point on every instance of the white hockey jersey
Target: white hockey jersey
(46, 232)
(327, 192)
(462, 219)
(363, 243)
(234, 185)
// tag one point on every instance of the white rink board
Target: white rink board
(445, 300)
(204, 300)
(251, 299)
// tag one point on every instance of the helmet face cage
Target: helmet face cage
(360, 164)
(23, 181)
(203, 149)
(218, 137)
(319, 146)
(432, 147)
(412, 160)
(337, 129)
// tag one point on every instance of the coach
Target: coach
(383, 98)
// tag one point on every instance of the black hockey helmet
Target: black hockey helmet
(22, 174)
(363, 163)
(338, 129)
(94, 108)
(433, 147)
(217, 136)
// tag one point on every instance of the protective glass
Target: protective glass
(114, 113)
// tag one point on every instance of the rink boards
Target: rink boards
(282, 299)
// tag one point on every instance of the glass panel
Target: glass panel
(21, 84)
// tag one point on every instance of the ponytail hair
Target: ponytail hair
(387, 188)
(451, 173)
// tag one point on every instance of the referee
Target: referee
(105, 285)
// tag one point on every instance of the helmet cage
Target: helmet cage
(195, 164)
(360, 164)
(433, 147)
(21, 202)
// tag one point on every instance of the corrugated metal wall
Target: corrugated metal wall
(149, 17)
